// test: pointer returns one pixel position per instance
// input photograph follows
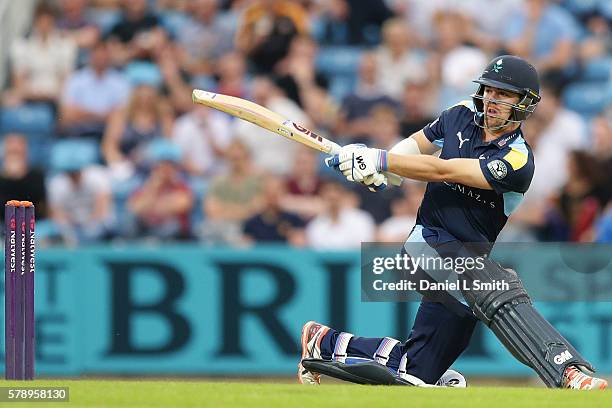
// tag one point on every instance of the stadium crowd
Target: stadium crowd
(98, 128)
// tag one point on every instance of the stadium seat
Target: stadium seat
(35, 120)
(73, 154)
(587, 98)
(104, 19)
(341, 85)
(598, 69)
(605, 8)
(143, 73)
(339, 60)
(173, 21)
(580, 7)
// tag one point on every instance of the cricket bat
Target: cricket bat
(272, 121)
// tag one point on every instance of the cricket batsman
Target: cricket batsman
(483, 170)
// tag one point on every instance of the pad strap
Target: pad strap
(401, 371)
(384, 349)
(341, 345)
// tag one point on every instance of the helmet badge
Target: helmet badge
(497, 67)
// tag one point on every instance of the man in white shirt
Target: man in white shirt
(271, 153)
(203, 136)
(341, 226)
(92, 93)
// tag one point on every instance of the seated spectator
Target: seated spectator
(601, 140)
(273, 224)
(40, 62)
(129, 130)
(554, 132)
(341, 226)
(17, 179)
(545, 34)
(233, 197)
(74, 23)
(303, 185)
(267, 29)
(582, 198)
(203, 136)
(384, 127)
(416, 107)
(91, 94)
(353, 124)
(204, 38)
(278, 156)
(603, 229)
(597, 42)
(80, 201)
(162, 206)
(352, 22)
(404, 211)
(231, 70)
(137, 35)
(396, 59)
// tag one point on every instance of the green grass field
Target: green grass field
(172, 393)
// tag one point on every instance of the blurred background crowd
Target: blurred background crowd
(97, 126)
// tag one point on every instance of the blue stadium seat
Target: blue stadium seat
(586, 98)
(339, 60)
(172, 21)
(35, 121)
(104, 19)
(598, 69)
(580, 7)
(605, 8)
(341, 85)
(73, 154)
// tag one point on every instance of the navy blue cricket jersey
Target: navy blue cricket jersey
(467, 213)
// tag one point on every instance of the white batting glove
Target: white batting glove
(375, 181)
(358, 163)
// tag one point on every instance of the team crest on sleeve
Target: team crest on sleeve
(498, 169)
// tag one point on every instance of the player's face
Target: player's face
(497, 107)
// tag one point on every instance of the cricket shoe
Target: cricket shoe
(452, 378)
(312, 334)
(575, 379)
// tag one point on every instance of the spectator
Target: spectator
(204, 38)
(341, 226)
(396, 60)
(129, 130)
(137, 35)
(598, 39)
(604, 226)
(311, 84)
(267, 29)
(40, 62)
(545, 34)
(233, 197)
(273, 224)
(162, 206)
(556, 131)
(91, 94)
(17, 179)
(80, 200)
(601, 130)
(352, 22)
(583, 196)
(279, 153)
(231, 70)
(416, 108)
(303, 186)
(353, 123)
(203, 136)
(404, 211)
(384, 127)
(76, 25)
